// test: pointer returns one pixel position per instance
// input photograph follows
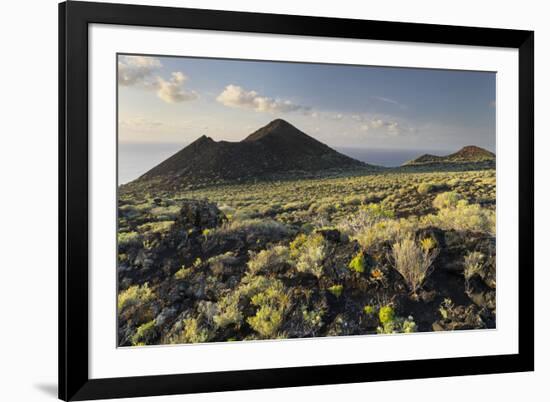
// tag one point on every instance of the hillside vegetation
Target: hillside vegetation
(361, 252)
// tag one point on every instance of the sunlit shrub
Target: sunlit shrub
(271, 303)
(191, 333)
(182, 273)
(426, 188)
(165, 213)
(365, 218)
(428, 244)
(253, 227)
(386, 314)
(269, 259)
(134, 295)
(412, 262)
(386, 230)
(218, 262)
(336, 290)
(463, 217)
(309, 252)
(358, 263)
(228, 311)
(156, 227)
(448, 199)
(126, 239)
(473, 264)
(390, 323)
(144, 334)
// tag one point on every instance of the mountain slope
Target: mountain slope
(277, 149)
(468, 154)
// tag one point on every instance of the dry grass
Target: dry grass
(412, 262)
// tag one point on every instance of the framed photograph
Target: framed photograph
(257, 200)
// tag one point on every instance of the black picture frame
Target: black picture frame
(74, 18)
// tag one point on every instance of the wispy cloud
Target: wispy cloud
(140, 123)
(390, 101)
(143, 71)
(238, 97)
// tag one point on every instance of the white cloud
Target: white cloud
(134, 70)
(377, 123)
(238, 97)
(386, 125)
(172, 91)
(142, 71)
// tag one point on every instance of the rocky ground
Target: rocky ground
(204, 277)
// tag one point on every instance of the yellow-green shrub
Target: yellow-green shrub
(191, 333)
(271, 303)
(358, 263)
(128, 238)
(448, 199)
(134, 295)
(336, 290)
(144, 333)
(266, 259)
(426, 188)
(309, 253)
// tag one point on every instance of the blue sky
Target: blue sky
(177, 99)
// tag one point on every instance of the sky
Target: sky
(167, 100)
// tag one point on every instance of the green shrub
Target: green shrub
(391, 323)
(386, 230)
(191, 333)
(297, 244)
(156, 227)
(310, 253)
(386, 314)
(428, 244)
(336, 290)
(255, 227)
(367, 223)
(182, 273)
(228, 311)
(463, 217)
(165, 213)
(134, 295)
(268, 260)
(448, 199)
(358, 263)
(271, 303)
(128, 239)
(145, 334)
(426, 188)
(369, 310)
(218, 262)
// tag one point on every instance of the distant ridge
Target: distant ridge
(276, 149)
(467, 154)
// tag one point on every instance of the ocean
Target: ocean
(135, 159)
